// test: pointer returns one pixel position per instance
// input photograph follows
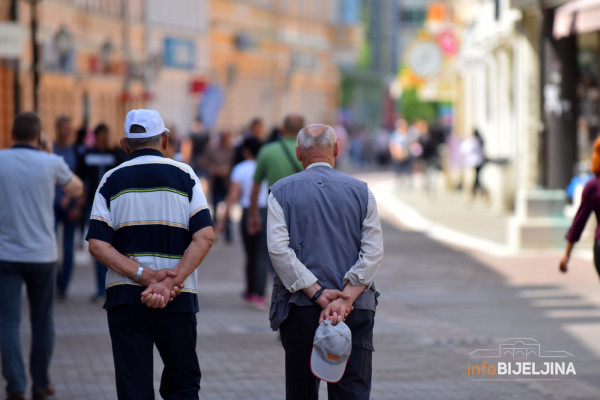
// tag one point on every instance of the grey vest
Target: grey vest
(324, 210)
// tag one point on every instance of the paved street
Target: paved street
(438, 304)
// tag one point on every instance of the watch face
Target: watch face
(425, 58)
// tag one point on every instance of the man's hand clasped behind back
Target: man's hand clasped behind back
(162, 286)
(336, 306)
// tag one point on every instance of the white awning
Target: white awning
(577, 16)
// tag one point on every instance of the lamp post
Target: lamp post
(13, 12)
(35, 54)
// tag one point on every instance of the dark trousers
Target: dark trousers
(477, 186)
(297, 333)
(219, 187)
(63, 276)
(134, 330)
(101, 269)
(257, 256)
(39, 280)
(597, 256)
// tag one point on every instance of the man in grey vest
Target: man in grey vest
(326, 244)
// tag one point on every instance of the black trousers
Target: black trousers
(134, 331)
(297, 333)
(597, 256)
(257, 256)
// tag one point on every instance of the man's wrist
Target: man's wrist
(138, 275)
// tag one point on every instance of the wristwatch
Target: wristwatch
(317, 294)
(139, 273)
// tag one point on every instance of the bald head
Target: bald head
(316, 135)
(316, 143)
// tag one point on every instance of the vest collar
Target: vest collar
(319, 164)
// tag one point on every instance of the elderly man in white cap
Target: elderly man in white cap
(150, 225)
(325, 242)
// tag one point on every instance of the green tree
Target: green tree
(412, 108)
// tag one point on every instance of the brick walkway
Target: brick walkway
(438, 304)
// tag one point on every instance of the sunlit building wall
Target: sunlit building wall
(178, 54)
(271, 58)
(88, 61)
(6, 86)
(498, 73)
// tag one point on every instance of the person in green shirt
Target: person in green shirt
(275, 160)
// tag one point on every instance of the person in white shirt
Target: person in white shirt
(473, 152)
(255, 246)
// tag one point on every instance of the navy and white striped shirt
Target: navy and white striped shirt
(148, 208)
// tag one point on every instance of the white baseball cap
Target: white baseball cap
(149, 119)
(332, 346)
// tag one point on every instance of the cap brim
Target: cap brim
(331, 373)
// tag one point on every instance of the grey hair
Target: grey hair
(326, 139)
(136, 144)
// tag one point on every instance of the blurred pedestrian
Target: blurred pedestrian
(80, 137)
(256, 129)
(275, 160)
(430, 158)
(218, 165)
(473, 150)
(28, 251)
(326, 245)
(400, 153)
(590, 201)
(150, 225)
(382, 146)
(341, 134)
(255, 245)
(81, 147)
(93, 165)
(193, 151)
(68, 210)
(357, 148)
(275, 134)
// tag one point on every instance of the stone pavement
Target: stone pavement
(439, 303)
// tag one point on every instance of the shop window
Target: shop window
(412, 17)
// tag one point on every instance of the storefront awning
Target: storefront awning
(577, 16)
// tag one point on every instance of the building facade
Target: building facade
(497, 74)
(270, 58)
(532, 90)
(85, 59)
(224, 61)
(178, 54)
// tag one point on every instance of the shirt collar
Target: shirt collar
(23, 146)
(319, 164)
(145, 152)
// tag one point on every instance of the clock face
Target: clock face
(425, 58)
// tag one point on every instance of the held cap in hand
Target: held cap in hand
(332, 346)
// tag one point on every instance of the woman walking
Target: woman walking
(258, 262)
(590, 201)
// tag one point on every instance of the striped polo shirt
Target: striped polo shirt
(148, 208)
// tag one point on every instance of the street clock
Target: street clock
(425, 58)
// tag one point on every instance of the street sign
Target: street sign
(12, 36)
